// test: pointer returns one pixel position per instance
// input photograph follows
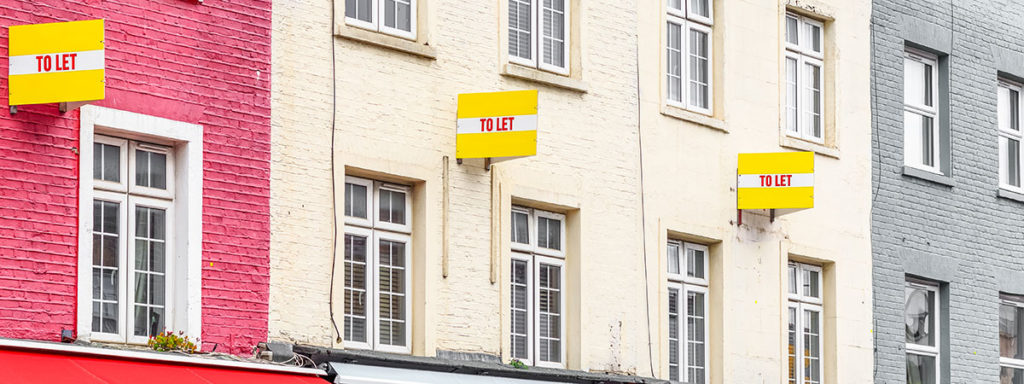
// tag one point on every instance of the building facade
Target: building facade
(948, 286)
(616, 249)
(148, 210)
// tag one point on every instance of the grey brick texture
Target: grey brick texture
(964, 236)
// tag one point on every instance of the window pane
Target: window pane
(549, 233)
(673, 333)
(792, 344)
(812, 100)
(792, 95)
(695, 263)
(1011, 375)
(148, 283)
(676, 4)
(792, 34)
(913, 82)
(392, 292)
(700, 8)
(673, 66)
(111, 163)
(150, 169)
(912, 151)
(1011, 320)
(355, 288)
(814, 34)
(811, 350)
(359, 9)
(699, 69)
(553, 32)
(928, 86)
(927, 141)
(792, 279)
(389, 12)
(520, 310)
(520, 30)
(695, 337)
(920, 369)
(520, 227)
(355, 200)
(673, 258)
(392, 207)
(404, 15)
(1014, 110)
(811, 283)
(549, 313)
(1012, 161)
(920, 319)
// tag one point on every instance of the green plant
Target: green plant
(515, 363)
(168, 341)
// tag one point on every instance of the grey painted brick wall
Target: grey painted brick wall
(964, 235)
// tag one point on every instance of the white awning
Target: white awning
(365, 374)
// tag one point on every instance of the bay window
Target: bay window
(378, 224)
(538, 287)
(687, 312)
(688, 49)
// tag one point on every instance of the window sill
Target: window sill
(536, 75)
(1010, 195)
(693, 117)
(794, 143)
(385, 41)
(928, 176)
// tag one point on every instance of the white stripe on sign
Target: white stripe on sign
(497, 124)
(56, 62)
(784, 180)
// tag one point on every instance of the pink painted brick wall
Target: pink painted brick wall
(207, 64)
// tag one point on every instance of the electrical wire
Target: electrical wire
(643, 209)
(334, 200)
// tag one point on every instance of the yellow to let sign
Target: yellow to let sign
(56, 62)
(775, 180)
(496, 124)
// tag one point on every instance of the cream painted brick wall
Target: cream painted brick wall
(300, 193)
(396, 116)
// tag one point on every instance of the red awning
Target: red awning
(29, 367)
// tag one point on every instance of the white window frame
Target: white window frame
(1007, 133)
(184, 309)
(536, 7)
(686, 284)
(376, 22)
(534, 256)
(531, 289)
(688, 20)
(803, 303)
(168, 207)
(804, 54)
(932, 112)
(122, 261)
(1009, 362)
(167, 193)
(375, 230)
(926, 350)
(539, 260)
(123, 145)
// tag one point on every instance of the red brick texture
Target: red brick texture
(206, 64)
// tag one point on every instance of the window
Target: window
(1011, 339)
(688, 54)
(393, 17)
(538, 287)
(377, 262)
(687, 312)
(132, 225)
(922, 321)
(1009, 104)
(804, 78)
(805, 323)
(920, 113)
(549, 39)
